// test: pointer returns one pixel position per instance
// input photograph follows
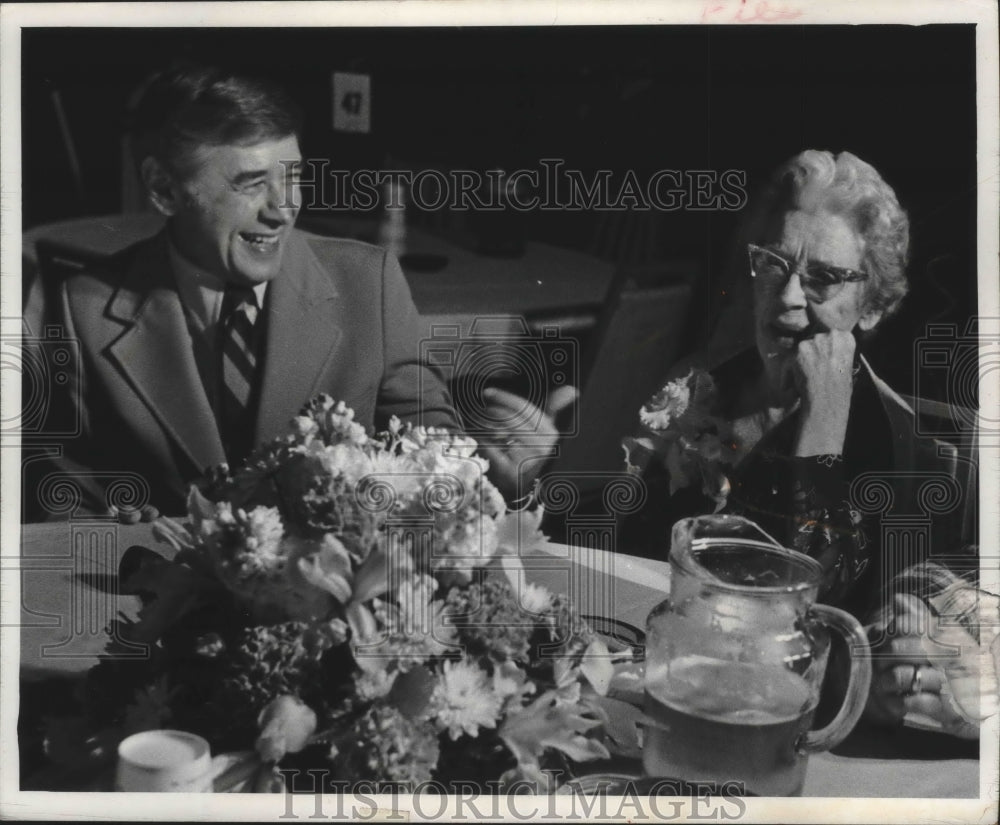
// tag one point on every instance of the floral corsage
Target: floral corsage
(682, 430)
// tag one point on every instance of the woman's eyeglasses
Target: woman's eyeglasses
(820, 282)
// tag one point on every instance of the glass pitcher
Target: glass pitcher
(735, 659)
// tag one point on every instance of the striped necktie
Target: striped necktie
(240, 333)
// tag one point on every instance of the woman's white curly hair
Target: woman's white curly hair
(845, 185)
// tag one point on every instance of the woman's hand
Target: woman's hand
(906, 681)
(823, 373)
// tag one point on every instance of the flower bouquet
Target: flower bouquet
(681, 429)
(353, 606)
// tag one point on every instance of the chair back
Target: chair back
(956, 429)
(626, 237)
(637, 340)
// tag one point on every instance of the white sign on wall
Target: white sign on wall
(352, 102)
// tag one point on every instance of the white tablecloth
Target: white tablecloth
(67, 573)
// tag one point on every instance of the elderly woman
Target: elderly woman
(780, 432)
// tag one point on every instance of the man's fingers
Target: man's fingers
(558, 400)
(561, 398)
(497, 458)
(508, 400)
(504, 470)
(516, 457)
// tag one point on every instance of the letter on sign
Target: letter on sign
(352, 102)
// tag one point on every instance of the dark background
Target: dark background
(618, 98)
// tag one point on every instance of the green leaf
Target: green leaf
(546, 723)
(177, 590)
(235, 771)
(596, 666)
(150, 708)
(621, 723)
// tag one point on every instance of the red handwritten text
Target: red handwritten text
(747, 11)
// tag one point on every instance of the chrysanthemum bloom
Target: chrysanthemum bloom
(535, 598)
(463, 700)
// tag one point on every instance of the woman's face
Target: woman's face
(784, 315)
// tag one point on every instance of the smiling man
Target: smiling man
(233, 211)
(208, 338)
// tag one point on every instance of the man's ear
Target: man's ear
(160, 186)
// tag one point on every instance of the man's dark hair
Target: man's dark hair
(188, 105)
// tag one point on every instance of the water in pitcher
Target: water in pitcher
(727, 721)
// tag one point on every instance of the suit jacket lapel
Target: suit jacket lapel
(304, 328)
(155, 355)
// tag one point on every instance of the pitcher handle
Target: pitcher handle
(857, 686)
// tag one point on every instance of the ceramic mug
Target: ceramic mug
(164, 761)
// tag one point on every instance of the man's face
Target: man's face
(783, 313)
(234, 211)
